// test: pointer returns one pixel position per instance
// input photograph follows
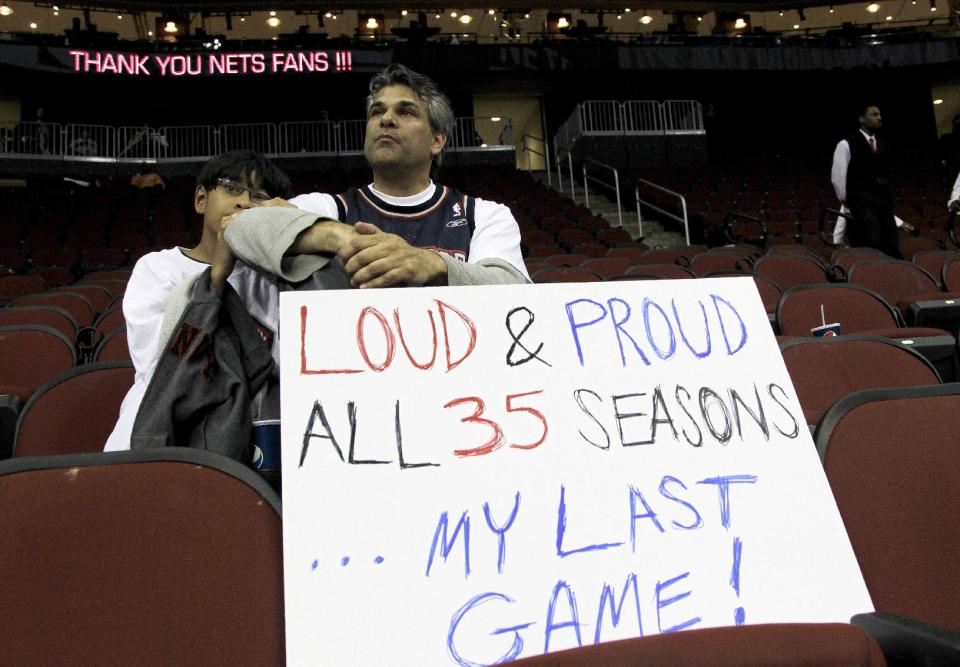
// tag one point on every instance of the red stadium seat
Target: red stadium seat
(133, 558)
(74, 411)
(30, 355)
(786, 645)
(824, 370)
(114, 346)
(890, 456)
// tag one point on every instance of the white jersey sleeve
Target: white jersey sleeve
(319, 203)
(496, 236)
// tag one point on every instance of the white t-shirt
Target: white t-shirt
(144, 304)
(496, 234)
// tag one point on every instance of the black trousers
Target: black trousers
(873, 226)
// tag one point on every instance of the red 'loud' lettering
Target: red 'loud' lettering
(374, 331)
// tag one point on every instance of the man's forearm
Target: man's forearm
(323, 236)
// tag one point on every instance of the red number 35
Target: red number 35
(497, 438)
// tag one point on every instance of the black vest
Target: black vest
(445, 222)
(868, 174)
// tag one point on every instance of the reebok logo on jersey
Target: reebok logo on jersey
(456, 209)
(459, 222)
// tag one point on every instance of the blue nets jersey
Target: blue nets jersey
(445, 222)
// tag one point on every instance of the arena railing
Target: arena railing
(126, 144)
(682, 218)
(683, 117)
(308, 138)
(544, 151)
(615, 185)
(260, 137)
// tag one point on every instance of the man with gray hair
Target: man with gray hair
(402, 229)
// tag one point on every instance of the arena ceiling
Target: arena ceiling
(613, 6)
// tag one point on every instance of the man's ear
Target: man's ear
(439, 141)
(200, 199)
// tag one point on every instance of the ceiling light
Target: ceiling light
(562, 22)
(453, 15)
(933, 5)
(626, 11)
(740, 24)
(328, 15)
(496, 119)
(150, 33)
(171, 27)
(619, 17)
(646, 19)
(119, 17)
(243, 19)
(699, 19)
(403, 12)
(831, 8)
(491, 12)
(273, 13)
(938, 101)
(273, 21)
(371, 24)
(796, 26)
(56, 12)
(781, 12)
(889, 18)
(526, 16)
(873, 8)
(33, 26)
(466, 18)
(5, 9)
(436, 16)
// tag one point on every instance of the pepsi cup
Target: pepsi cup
(827, 330)
(266, 445)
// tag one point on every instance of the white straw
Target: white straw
(823, 320)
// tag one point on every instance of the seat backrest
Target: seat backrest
(824, 370)
(668, 271)
(166, 556)
(98, 295)
(712, 261)
(933, 261)
(893, 280)
(75, 411)
(891, 459)
(950, 275)
(110, 320)
(787, 271)
(855, 308)
(15, 286)
(114, 346)
(31, 354)
(565, 275)
(770, 292)
(566, 260)
(76, 304)
(608, 266)
(45, 316)
(773, 645)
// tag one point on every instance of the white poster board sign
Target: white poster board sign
(472, 475)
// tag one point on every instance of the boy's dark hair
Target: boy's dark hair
(239, 166)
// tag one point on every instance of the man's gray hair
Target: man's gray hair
(439, 111)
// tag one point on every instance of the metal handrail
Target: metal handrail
(527, 149)
(683, 206)
(616, 185)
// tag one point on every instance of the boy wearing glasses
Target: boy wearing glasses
(169, 283)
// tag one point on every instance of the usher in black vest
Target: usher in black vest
(445, 222)
(868, 174)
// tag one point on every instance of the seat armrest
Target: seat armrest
(10, 405)
(906, 641)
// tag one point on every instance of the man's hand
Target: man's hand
(374, 258)
(954, 205)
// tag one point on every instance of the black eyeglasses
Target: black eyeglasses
(235, 189)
